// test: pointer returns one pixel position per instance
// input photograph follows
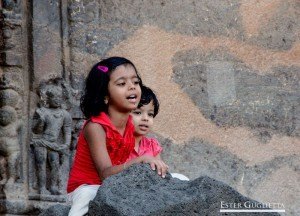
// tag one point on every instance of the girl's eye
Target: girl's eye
(151, 115)
(136, 82)
(137, 112)
(121, 84)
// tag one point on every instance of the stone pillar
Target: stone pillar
(50, 62)
(13, 107)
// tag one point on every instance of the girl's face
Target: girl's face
(124, 89)
(143, 119)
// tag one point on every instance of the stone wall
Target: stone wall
(226, 73)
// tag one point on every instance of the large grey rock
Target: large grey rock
(140, 191)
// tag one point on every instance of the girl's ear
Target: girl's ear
(106, 100)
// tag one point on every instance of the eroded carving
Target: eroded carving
(9, 145)
(12, 9)
(10, 130)
(51, 127)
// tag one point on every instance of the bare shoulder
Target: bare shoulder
(93, 129)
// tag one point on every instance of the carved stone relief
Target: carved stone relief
(12, 140)
(10, 128)
(51, 139)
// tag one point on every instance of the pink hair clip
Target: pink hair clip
(102, 68)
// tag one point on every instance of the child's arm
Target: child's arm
(96, 139)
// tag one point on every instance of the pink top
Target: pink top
(148, 146)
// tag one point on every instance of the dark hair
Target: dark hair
(148, 96)
(96, 85)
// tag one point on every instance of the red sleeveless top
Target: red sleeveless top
(119, 147)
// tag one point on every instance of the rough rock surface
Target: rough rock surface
(57, 210)
(140, 191)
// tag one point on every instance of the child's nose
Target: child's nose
(145, 117)
(131, 86)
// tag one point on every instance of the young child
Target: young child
(143, 117)
(112, 91)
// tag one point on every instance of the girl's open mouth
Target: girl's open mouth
(132, 98)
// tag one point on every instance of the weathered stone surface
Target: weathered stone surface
(254, 181)
(14, 207)
(9, 97)
(280, 31)
(191, 18)
(12, 59)
(97, 31)
(288, 193)
(12, 79)
(208, 159)
(228, 92)
(219, 163)
(140, 191)
(47, 41)
(57, 210)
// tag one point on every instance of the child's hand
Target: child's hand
(156, 164)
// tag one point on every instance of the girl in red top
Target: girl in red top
(112, 91)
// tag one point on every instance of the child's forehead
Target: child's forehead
(148, 106)
(123, 71)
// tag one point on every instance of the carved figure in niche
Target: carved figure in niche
(51, 128)
(10, 148)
